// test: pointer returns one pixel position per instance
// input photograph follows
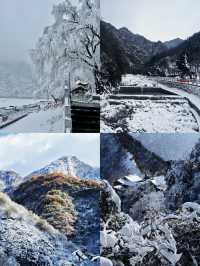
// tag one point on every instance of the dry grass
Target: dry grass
(11, 209)
(55, 205)
(58, 210)
(58, 179)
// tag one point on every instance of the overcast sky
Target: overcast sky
(25, 153)
(155, 19)
(21, 24)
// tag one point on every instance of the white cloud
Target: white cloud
(155, 19)
(24, 153)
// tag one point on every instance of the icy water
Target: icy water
(6, 102)
(39, 122)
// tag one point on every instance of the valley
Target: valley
(150, 212)
(149, 86)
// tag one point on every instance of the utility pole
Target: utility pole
(67, 107)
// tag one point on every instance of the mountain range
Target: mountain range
(68, 165)
(125, 52)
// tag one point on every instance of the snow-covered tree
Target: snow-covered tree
(70, 48)
(183, 65)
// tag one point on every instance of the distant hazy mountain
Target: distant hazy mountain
(145, 47)
(125, 52)
(16, 80)
(173, 43)
(168, 58)
(70, 166)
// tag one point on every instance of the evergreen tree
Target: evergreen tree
(183, 65)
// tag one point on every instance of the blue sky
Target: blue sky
(21, 24)
(154, 19)
(24, 153)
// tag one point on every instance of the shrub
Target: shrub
(58, 210)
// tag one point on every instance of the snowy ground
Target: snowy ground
(164, 115)
(148, 116)
(50, 120)
(137, 81)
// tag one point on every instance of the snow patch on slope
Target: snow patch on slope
(70, 166)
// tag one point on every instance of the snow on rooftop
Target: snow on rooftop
(130, 180)
(159, 182)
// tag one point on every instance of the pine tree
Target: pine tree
(183, 65)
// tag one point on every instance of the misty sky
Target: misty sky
(21, 24)
(25, 153)
(155, 19)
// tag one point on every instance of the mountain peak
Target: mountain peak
(69, 159)
(124, 29)
(173, 43)
(70, 166)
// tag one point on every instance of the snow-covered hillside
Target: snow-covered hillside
(69, 166)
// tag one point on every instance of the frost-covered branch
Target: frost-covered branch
(70, 45)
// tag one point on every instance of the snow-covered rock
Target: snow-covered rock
(125, 241)
(129, 180)
(9, 180)
(105, 262)
(183, 180)
(28, 240)
(159, 182)
(159, 219)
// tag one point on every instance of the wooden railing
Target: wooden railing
(71, 99)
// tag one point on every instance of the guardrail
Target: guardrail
(178, 81)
